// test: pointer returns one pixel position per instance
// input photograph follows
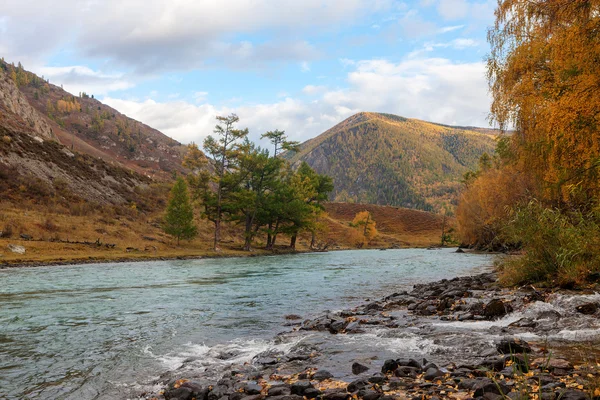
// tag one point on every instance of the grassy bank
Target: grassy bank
(94, 235)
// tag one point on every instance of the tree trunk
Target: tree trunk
(217, 232)
(293, 242)
(274, 234)
(313, 239)
(269, 236)
(248, 233)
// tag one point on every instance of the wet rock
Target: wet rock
(467, 384)
(524, 323)
(266, 360)
(495, 309)
(280, 390)
(408, 363)
(354, 327)
(322, 375)
(432, 373)
(252, 397)
(477, 308)
(377, 378)
(572, 395)
(292, 317)
(300, 387)
(489, 386)
(459, 250)
(337, 326)
(395, 383)
(550, 315)
(335, 394)
(358, 368)
(587, 309)
(369, 394)
(403, 372)
(513, 346)
(252, 388)
(286, 397)
(493, 364)
(356, 385)
(180, 393)
(312, 393)
(389, 366)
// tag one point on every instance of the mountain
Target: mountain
(88, 126)
(386, 159)
(35, 167)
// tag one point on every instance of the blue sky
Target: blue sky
(301, 66)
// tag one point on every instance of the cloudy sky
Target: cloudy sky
(297, 65)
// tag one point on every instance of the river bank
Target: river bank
(459, 338)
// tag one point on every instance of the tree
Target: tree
(366, 226)
(279, 140)
(179, 218)
(224, 152)
(544, 76)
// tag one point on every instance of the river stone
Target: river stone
(495, 309)
(253, 388)
(322, 375)
(369, 394)
(572, 395)
(358, 368)
(489, 386)
(377, 378)
(587, 309)
(389, 366)
(432, 373)
(312, 393)
(300, 386)
(287, 397)
(280, 390)
(335, 394)
(181, 393)
(15, 248)
(512, 346)
(357, 385)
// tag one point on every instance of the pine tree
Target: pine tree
(179, 218)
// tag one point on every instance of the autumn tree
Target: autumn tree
(179, 217)
(224, 152)
(544, 76)
(364, 223)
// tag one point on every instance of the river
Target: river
(105, 331)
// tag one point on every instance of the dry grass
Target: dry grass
(138, 236)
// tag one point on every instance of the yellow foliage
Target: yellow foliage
(67, 106)
(365, 227)
(484, 205)
(544, 77)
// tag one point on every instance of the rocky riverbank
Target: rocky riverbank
(473, 339)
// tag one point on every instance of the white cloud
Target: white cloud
(77, 79)
(452, 28)
(313, 89)
(432, 89)
(200, 97)
(453, 9)
(304, 67)
(150, 35)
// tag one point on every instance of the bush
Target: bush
(561, 248)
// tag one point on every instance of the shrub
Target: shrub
(561, 248)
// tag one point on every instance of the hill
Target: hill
(88, 126)
(390, 160)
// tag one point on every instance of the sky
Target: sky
(296, 65)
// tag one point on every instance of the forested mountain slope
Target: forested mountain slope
(88, 126)
(390, 160)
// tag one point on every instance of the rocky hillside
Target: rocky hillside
(36, 167)
(390, 160)
(84, 124)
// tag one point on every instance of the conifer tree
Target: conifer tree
(179, 218)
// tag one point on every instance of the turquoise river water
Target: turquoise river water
(104, 331)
